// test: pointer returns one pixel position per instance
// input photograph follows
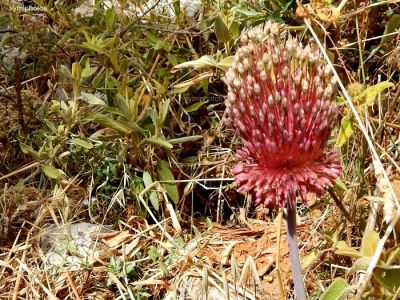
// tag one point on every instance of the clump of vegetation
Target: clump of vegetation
(112, 119)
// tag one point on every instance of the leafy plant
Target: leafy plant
(387, 271)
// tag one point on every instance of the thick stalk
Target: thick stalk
(294, 251)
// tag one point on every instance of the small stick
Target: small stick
(340, 205)
(73, 287)
(32, 165)
(375, 120)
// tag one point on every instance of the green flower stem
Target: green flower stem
(294, 251)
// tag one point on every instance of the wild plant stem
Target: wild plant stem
(294, 251)
(340, 205)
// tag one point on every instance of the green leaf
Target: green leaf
(153, 253)
(92, 99)
(177, 7)
(164, 110)
(339, 100)
(205, 61)
(76, 71)
(340, 184)
(336, 291)
(96, 44)
(87, 72)
(246, 11)
(234, 29)
(5, 20)
(153, 196)
(331, 236)
(343, 249)
(82, 143)
(29, 150)
(51, 125)
(370, 93)
(345, 132)
(164, 173)
(126, 106)
(51, 172)
(309, 259)
(393, 254)
(163, 267)
(388, 277)
(172, 59)
(221, 30)
(185, 139)
(114, 111)
(110, 123)
(159, 142)
(226, 62)
(361, 264)
(195, 106)
(157, 44)
(156, 121)
(391, 27)
(180, 90)
(4, 40)
(133, 126)
(110, 16)
(369, 243)
(64, 70)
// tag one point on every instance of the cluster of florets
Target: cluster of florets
(279, 102)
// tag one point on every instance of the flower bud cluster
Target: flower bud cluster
(279, 102)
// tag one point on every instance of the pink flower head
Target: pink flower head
(279, 101)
